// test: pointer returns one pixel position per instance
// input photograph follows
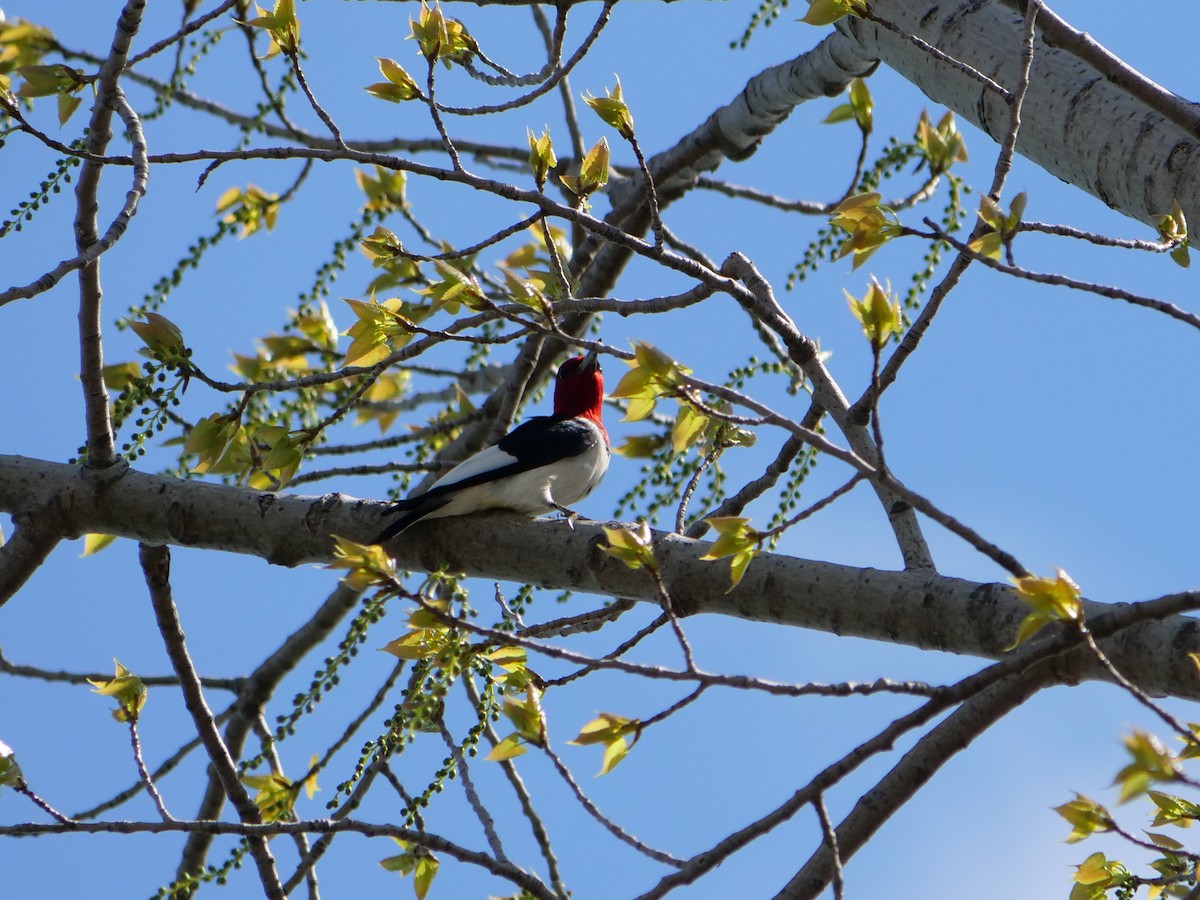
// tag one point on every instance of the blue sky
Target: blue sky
(1057, 424)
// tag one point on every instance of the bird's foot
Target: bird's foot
(567, 513)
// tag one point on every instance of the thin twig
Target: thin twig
(156, 566)
(144, 774)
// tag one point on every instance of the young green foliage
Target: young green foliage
(826, 12)
(23, 44)
(456, 289)
(941, 145)
(275, 797)
(1096, 875)
(1051, 599)
(428, 637)
(868, 223)
(860, 107)
(10, 772)
(514, 663)
(541, 156)
(612, 110)
(127, 689)
(1002, 226)
(368, 564)
(252, 208)
(378, 329)
(879, 313)
(415, 861)
(736, 540)
(1150, 763)
(399, 86)
(652, 376)
(1173, 810)
(633, 547)
(613, 732)
(281, 25)
(162, 337)
(94, 543)
(593, 173)
(526, 717)
(220, 444)
(440, 38)
(1087, 817)
(55, 80)
(1173, 228)
(385, 191)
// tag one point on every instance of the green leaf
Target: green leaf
(275, 797)
(1086, 817)
(1151, 763)
(399, 86)
(826, 12)
(161, 336)
(369, 564)
(281, 26)
(878, 311)
(94, 543)
(738, 541)
(941, 145)
(868, 223)
(593, 171)
(526, 715)
(989, 245)
(1174, 810)
(612, 110)
(127, 689)
(842, 113)
(415, 861)
(508, 748)
(46, 81)
(613, 754)
(632, 547)
(10, 772)
(1056, 598)
(441, 38)
(612, 731)
(641, 446)
(541, 156)
(689, 425)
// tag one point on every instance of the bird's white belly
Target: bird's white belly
(565, 482)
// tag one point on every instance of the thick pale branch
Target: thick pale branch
(910, 774)
(826, 392)
(22, 555)
(917, 608)
(1112, 137)
(108, 98)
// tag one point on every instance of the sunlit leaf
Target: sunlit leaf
(10, 772)
(127, 689)
(612, 110)
(878, 311)
(94, 543)
(632, 546)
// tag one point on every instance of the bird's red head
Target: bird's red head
(579, 388)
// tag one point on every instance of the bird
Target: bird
(545, 463)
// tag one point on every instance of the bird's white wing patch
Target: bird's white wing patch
(564, 482)
(489, 459)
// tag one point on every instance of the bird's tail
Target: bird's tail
(414, 509)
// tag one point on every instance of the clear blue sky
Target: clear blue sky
(1058, 425)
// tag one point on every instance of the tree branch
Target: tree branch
(918, 608)
(156, 564)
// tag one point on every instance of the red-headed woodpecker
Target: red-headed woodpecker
(545, 463)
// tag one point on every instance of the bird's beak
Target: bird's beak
(590, 361)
